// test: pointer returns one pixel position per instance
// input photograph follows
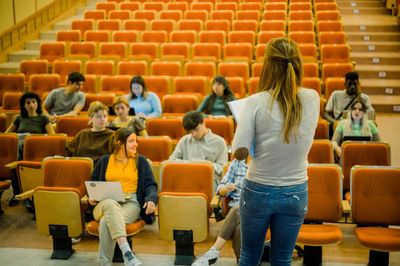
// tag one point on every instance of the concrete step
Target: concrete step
(49, 35)
(22, 55)
(378, 58)
(364, 10)
(380, 86)
(9, 67)
(372, 28)
(35, 44)
(360, 4)
(374, 46)
(373, 36)
(386, 103)
(378, 71)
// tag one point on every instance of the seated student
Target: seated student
(146, 104)
(96, 141)
(31, 120)
(230, 186)
(67, 101)
(356, 124)
(340, 100)
(121, 109)
(201, 144)
(134, 172)
(216, 103)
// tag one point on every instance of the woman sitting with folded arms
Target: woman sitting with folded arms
(146, 103)
(134, 172)
(31, 119)
(121, 109)
(216, 103)
(96, 141)
(356, 124)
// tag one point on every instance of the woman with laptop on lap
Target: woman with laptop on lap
(140, 191)
(356, 125)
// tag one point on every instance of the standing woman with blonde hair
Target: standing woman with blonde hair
(278, 127)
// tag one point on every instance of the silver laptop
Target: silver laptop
(100, 190)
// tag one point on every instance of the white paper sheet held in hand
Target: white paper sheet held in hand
(237, 108)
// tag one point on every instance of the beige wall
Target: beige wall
(7, 16)
(23, 9)
(42, 3)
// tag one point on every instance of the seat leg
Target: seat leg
(118, 257)
(378, 258)
(184, 247)
(312, 255)
(1, 210)
(62, 244)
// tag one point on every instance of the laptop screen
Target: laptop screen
(357, 138)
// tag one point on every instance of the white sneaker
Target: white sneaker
(130, 259)
(75, 240)
(208, 258)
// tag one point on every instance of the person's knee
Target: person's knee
(109, 204)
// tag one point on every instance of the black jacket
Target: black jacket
(146, 188)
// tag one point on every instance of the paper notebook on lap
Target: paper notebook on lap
(99, 190)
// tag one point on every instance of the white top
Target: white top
(274, 162)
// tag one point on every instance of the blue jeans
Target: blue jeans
(282, 208)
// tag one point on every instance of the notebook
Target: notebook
(99, 190)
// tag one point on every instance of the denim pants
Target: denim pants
(282, 209)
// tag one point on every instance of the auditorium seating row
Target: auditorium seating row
(367, 183)
(12, 85)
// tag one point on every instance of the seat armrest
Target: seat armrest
(25, 195)
(214, 201)
(346, 207)
(12, 165)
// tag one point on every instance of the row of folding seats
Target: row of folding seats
(104, 10)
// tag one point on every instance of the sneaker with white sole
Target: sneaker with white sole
(208, 258)
(130, 259)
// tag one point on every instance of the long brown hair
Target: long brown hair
(281, 75)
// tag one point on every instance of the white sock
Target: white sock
(125, 247)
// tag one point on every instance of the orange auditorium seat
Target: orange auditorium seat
(72, 125)
(154, 36)
(244, 36)
(273, 25)
(339, 70)
(145, 14)
(106, 98)
(321, 151)
(301, 25)
(118, 84)
(29, 67)
(177, 6)
(188, 36)
(222, 15)
(145, 51)
(237, 86)
(97, 36)
(119, 14)
(202, 6)
(270, 6)
(178, 50)
(206, 52)
(221, 126)
(190, 24)
(218, 24)
(314, 83)
(338, 37)
(130, 6)
(69, 36)
(133, 68)
(264, 37)
(335, 53)
(256, 69)
(238, 52)
(160, 85)
(300, 6)
(109, 24)
(205, 69)
(171, 127)
(196, 14)
(248, 15)
(106, 6)
(248, 25)
(253, 85)
(41, 83)
(97, 67)
(85, 50)
(156, 6)
(167, 25)
(190, 84)
(309, 52)
(166, 68)
(179, 104)
(274, 15)
(302, 36)
(328, 25)
(126, 36)
(51, 51)
(94, 14)
(327, 15)
(216, 36)
(332, 84)
(250, 6)
(64, 67)
(301, 15)
(322, 130)
(324, 6)
(136, 24)
(82, 25)
(174, 15)
(234, 69)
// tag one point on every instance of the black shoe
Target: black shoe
(219, 216)
(29, 206)
(13, 202)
